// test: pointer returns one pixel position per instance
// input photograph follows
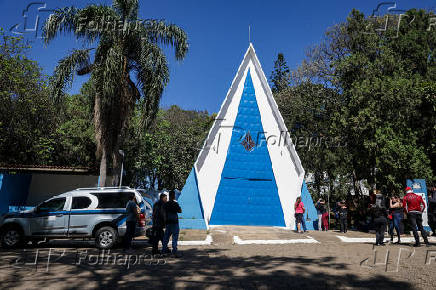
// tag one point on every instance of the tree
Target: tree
(281, 76)
(28, 117)
(307, 110)
(386, 83)
(164, 156)
(126, 48)
(75, 133)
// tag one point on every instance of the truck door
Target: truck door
(50, 218)
(81, 218)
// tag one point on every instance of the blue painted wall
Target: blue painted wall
(310, 216)
(247, 193)
(192, 216)
(14, 189)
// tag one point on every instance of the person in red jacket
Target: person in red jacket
(414, 205)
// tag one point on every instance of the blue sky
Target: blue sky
(218, 38)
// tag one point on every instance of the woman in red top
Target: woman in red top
(299, 211)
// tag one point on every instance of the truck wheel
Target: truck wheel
(11, 237)
(106, 238)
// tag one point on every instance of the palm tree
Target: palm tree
(128, 67)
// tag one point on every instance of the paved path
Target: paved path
(329, 264)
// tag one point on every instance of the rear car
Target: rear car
(94, 213)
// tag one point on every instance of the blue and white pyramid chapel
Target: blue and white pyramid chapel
(248, 172)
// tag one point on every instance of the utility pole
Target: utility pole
(122, 167)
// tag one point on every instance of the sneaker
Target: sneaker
(417, 245)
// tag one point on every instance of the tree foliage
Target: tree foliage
(34, 130)
(281, 75)
(384, 109)
(164, 156)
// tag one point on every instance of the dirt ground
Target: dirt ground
(328, 264)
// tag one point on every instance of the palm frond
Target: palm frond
(153, 76)
(157, 31)
(88, 23)
(127, 9)
(64, 71)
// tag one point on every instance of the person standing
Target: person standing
(379, 214)
(380, 222)
(158, 223)
(431, 212)
(396, 210)
(343, 216)
(414, 205)
(320, 210)
(171, 208)
(131, 220)
(325, 219)
(299, 212)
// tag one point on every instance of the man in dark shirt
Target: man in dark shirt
(171, 209)
(343, 215)
(431, 213)
(380, 220)
(131, 219)
(158, 223)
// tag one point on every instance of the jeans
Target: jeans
(415, 221)
(343, 221)
(172, 230)
(130, 233)
(320, 222)
(380, 228)
(395, 223)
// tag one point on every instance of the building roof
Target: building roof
(46, 169)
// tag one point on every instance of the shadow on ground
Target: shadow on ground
(197, 269)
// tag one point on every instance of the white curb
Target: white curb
(372, 240)
(206, 242)
(237, 240)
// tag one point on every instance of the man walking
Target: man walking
(172, 209)
(320, 209)
(158, 223)
(131, 219)
(414, 205)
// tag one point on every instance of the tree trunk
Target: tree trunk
(103, 168)
(116, 167)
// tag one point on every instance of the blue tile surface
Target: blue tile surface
(192, 216)
(247, 193)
